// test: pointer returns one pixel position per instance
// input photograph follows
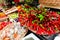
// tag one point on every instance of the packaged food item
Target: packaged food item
(3, 16)
(11, 10)
(12, 31)
(13, 15)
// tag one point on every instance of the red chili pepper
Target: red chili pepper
(26, 19)
(1, 27)
(35, 26)
(20, 16)
(28, 24)
(49, 33)
(27, 6)
(56, 24)
(22, 24)
(43, 27)
(23, 11)
(55, 14)
(51, 29)
(16, 1)
(19, 10)
(59, 20)
(40, 31)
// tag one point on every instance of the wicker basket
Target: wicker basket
(50, 3)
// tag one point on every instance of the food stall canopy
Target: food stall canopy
(50, 3)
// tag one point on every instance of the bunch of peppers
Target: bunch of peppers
(40, 20)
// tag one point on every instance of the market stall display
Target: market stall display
(19, 16)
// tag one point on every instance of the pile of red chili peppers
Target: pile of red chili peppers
(41, 20)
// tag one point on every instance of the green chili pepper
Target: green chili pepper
(58, 12)
(31, 8)
(34, 21)
(41, 25)
(43, 13)
(41, 17)
(29, 1)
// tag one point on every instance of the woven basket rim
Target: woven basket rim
(50, 4)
